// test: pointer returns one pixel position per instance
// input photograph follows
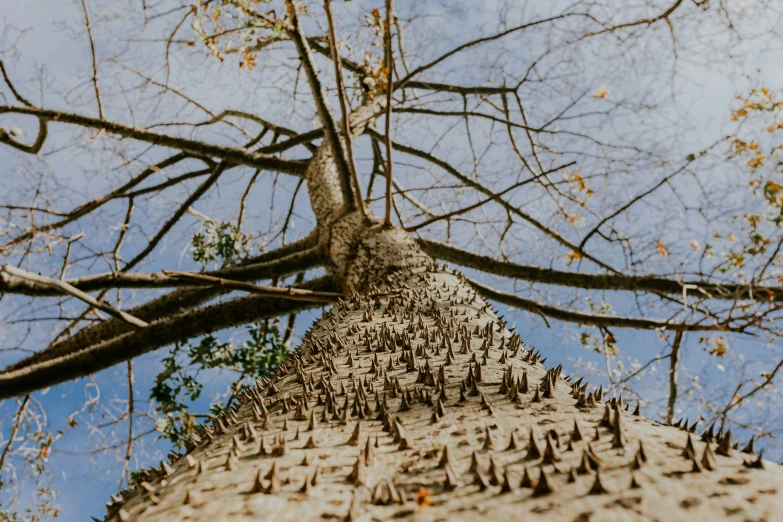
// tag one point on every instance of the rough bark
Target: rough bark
(412, 400)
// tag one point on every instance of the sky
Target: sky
(50, 41)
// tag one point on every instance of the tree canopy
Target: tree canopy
(608, 173)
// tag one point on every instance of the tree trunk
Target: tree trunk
(412, 400)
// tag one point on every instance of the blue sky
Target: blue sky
(704, 92)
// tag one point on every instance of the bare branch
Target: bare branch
(200, 191)
(674, 360)
(35, 148)
(14, 430)
(65, 288)
(21, 99)
(342, 96)
(94, 60)
(481, 188)
(450, 215)
(641, 21)
(473, 43)
(86, 208)
(298, 261)
(389, 90)
(294, 294)
(235, 155)
(617, 281)
(292, 258)
(96, 357)
(591, 319)
(319, 96)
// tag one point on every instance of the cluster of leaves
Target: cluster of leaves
(605, 343)
(178, 384)
(214, 22)
(219, 241)
(717, 346)
(44, 508)
(374, 77)
(760, 149)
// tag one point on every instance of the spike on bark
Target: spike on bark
(445, 458)
(533, 450)
(488, 444)
(451, 481)
(543, 487)
(598, 486)
(708, 460)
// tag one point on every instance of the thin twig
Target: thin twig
(457, 212)
(94, 60)
(73, 291)
(243, 201)
(14, 430)
(21, 99)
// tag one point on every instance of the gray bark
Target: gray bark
(367, 421)
(412, 400)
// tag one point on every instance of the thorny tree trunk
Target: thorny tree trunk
(411, 399)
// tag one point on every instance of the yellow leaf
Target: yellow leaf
(249, 61)
(757, 160)
(662, 250)
(721, 347)
(772, 189)
(602, 92)
(695, 246)
(753, 145)
(376, 13)
(572, 256)
(579, 180)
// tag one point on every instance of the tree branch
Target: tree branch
(389, 90)
(342, 97)
(481, 188)
(464, 210)
(551, 276)
(473, 43)
(319, 96)
(674, 360)
(94, 60)
(217, 171)
(293, 263)
(235, 155)
(180, 327)
(65, 288)
(282, 292)
(590, 319)
(14, 429)
(35, 148)
(21, 99)
(284, 261)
